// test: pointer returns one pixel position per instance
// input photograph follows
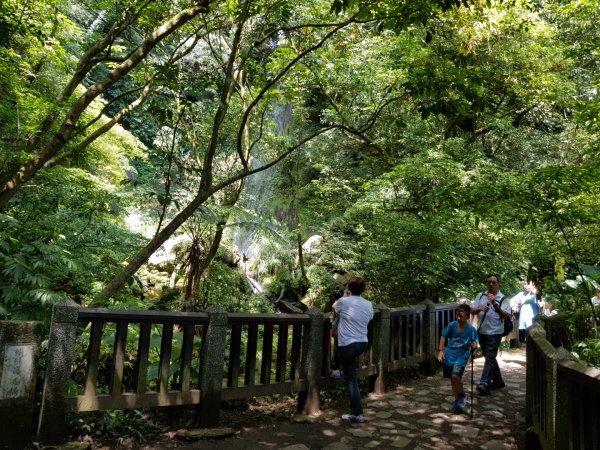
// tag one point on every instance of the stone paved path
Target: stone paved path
(414, 416)
(417, 416)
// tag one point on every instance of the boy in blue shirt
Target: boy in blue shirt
(454, 350)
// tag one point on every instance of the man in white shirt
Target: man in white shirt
(354, 313)
(491, 309)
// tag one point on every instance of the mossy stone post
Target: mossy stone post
(212, 356)
(19, 351)
(430, 339)
(61, 344)
(535, 333)
(381, 347)
(308, 401)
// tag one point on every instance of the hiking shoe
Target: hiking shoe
(456, 409)
(458, 406)
(335, 374)
(351, 418)
(496, 385)
(483, 389)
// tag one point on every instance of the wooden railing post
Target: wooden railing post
(381, 347)
(308, 401)
(212, 357)
(429, 338)
(61, 344)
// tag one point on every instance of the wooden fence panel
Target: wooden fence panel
(185, 358)
(129, 388)
(267, 354)
(578, 403)
(296, 351)
(235, 347)
(282, 353)
(406, 337)
(250, 369)
(143, 353)
(118, 360)
(91, 377)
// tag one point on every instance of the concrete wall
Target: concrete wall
(19, 351)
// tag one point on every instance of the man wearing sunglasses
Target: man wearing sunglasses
(491, 309)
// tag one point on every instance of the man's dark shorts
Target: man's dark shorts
(449, 371)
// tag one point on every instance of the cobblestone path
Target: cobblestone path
(413, 416)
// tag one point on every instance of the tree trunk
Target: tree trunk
(14, 182)
(138, 260)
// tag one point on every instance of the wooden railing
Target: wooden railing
(270, 361)
(566, 329)
(563, 396)
(203, 358)
(119, 327)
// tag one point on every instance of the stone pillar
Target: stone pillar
(311, 362)
(61, 343)
(534, 334)
(212, 357)
(430, 339)
(381, 347)
(19, 351)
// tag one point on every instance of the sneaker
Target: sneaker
(483, 389)
(496, 385)
(456, 409)
(335, 374)
(351, 418)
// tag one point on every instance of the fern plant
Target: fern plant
(588, 351)
(28, 272)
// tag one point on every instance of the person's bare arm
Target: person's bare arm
(441, 346)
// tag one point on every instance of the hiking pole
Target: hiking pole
(472, 360)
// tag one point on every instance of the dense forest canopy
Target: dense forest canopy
(177, 155)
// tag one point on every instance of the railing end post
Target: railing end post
(20, 344)
(429, 338)
(61, 345)
(211, 368)
(309, 401)
(381, 347)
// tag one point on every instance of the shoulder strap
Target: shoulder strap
(484, 314)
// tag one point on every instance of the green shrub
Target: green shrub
(588, 351)
(115, 424)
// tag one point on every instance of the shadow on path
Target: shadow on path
(413, 416)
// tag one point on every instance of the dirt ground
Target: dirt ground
(261, 424)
